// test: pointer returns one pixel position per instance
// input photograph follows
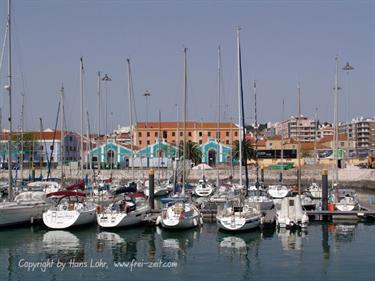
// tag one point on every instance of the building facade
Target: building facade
(299, 128)
(146, 133)
(361, 131)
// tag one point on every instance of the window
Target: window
(200, 141)
(165, 134)
(156, 134)
(342, 143)
(209, 134)
(227, 142)
(140, 142)
(148, 134)
(41, 147)
(140, 134)
(236, 134)
(189, 134)
(51, 147)
(70, 138)
(200, 134)
(181, 134)
(173, 134)
(227, 134)
(148, 142)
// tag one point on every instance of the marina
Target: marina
(226, 171)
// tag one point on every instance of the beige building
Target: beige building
(146, 133)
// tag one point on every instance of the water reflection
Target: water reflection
(344, 232)
(237, 243)
(175, 245)
(291, 239)
(127, 245)
(62, 245)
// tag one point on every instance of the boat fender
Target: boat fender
(98, 209)
(158, 220)
(195, 222)
(201, 220)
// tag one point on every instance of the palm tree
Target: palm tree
(246, 146)
(193, 151)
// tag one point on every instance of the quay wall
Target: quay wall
(350, 176)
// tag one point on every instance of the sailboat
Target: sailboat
(239, 215)
(181, 214)
(72, 207)
(279, 190)
(256, 197)
(28, 205)
(129, 210)
(344, 199)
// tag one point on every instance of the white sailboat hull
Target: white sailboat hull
(236, 223)
(175, 223)
(61, 219)
(12, 213)
(278, 191)
(121, 219)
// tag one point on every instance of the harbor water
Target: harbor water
(325, 251)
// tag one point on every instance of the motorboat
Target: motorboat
(291, 213)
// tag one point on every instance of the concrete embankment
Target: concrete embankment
(352, 176)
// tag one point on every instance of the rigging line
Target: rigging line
(19, 55)
(3, 48)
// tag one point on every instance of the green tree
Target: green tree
(248, 148)
(193, 152)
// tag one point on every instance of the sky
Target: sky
(282, 42)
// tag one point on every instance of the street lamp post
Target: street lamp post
(347, 68)
(147, 95)
(106, 79)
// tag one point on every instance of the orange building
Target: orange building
(146, 133)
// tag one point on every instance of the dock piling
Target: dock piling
(324, 191)
(151, 189)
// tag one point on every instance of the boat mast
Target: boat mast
(185, 113)
(316, 134)
(218, 118)
(299, 140)
(160, 153)
(62, 134)
(336, 179)
(81, 90)
(239, 104)
(256, 135)
(242, 112)
(130, 86)
(9, 88)
(22, 131)
(97, 142)
(282, 142)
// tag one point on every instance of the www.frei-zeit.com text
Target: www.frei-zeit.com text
(48, 264)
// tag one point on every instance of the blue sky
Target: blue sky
(283, 42)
